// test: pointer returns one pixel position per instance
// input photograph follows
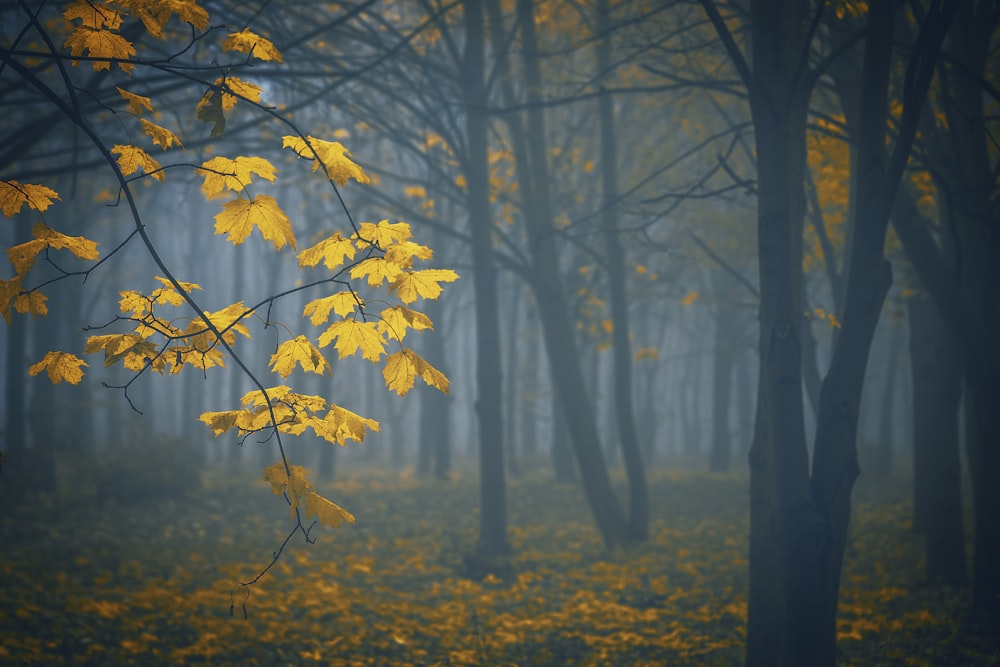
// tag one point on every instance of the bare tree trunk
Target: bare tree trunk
(493, 502)
(560, 340)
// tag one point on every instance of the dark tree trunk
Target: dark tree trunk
(638, 507)
(798, 521)
(434, 432)
(493, 501)
(547, 284)
(937, 494)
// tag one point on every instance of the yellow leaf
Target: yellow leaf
(399, 373)
(228, 320)
(246, 41)
(22, 256)
(82, 247)
(240, 216)
(33, 302)
(413, 285)
(417, 191)
(332, 250)
(329, 514)
(401, 368)
(134, 302)
(690, 298)
(351, 336)
(234, 89)
(9, 291)
(342, 303)
(337, 160)
(132, 158)
(397, 319)
(136, 103)
(14, 195)
(187, 11)
(377, 270)
(403, 254)
(61, 367)
(383, 234)
(220, 422)
(298, 350)
(221, 173)
(94, 15)
(102, 45)
(340, 425)
(161, 136)
(293, 484)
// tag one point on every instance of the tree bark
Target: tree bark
(937, 492)
(493, 502)
(638, 508)
(560, 341)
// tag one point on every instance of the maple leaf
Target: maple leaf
(299, 350)
(228, 320)
(136, 103)
(94, 15)
(377, 270)
(60, 366)
(397, 319)
(186, 286)
(9, 291)
(342, 303)
(14, 195)
(234, 89)
(33, 302)
(234, 174)
(413, 285)
(187, 11)
(23, 255)
(103, 45)
(161, 136)
(401, 368)
(340, 425)
(351, 336)
(329, 514)
(332, 250)
(246, 41)
(403, 254)
(240, 216)
(82, 247)
(134, 302)
(332, 154)
(133, 158)
(383, 233)
(220, 422)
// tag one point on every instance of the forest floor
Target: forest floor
(89, 583)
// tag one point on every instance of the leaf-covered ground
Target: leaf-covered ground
(104, 585)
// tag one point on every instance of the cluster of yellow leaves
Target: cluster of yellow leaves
(292, 413)
(292, 483)
(390, 257)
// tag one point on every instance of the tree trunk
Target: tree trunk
(493, 501)
(638, 507)
(560, 339)
(937, 494)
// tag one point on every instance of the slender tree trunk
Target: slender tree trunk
(493, 502)
(638, 508)
(937, 493)
(434, 428)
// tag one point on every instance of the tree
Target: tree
(798, 519)
(148, 334)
